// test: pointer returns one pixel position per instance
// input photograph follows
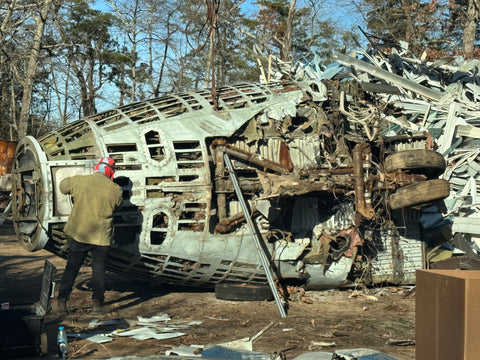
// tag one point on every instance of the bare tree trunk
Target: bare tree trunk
(122, 88)
(212, 22)
(165, 52)
(470, 28)
(87, 99)
(209, 71)
(31, 70)
(7, 110)
(13, 110)
(286, 51)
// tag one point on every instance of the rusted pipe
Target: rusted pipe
(361, 207)
(225, 225)
(285, 159)
(255, 159)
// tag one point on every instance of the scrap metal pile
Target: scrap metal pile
(441, 97)
(329, 171)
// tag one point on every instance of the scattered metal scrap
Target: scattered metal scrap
(158, 327)
(441, 98)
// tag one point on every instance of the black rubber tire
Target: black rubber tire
(420, 161)
(419, 193)
(43, 344)
(243, 292)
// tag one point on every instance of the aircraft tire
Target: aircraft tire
(419, 193)
(243, 292)
(420, 161)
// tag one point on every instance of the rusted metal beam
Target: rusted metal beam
(256, 159)
(226, 225)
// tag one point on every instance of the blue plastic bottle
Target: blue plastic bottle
(62, 343)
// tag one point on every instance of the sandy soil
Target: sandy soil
(345, 319)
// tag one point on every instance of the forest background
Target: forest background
(61, 60)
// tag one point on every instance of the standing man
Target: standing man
(89, 228)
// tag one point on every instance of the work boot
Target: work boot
(99, 307)
(62, 306)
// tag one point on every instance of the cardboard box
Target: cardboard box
(447, 315)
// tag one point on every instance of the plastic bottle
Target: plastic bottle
(62, 343)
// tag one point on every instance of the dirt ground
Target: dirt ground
(316, 320)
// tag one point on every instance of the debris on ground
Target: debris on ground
(155, 327)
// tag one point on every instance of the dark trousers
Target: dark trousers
(76, 256)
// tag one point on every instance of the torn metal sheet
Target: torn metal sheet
(466, 225)
(361, 354)
(145, 333)
(323, 344)
(184, 350)
(403, 252)
(224, 353)
(97, 338)
(315, 355)
(153, 319)
(240, 344)
(388, 76)
(247, 343)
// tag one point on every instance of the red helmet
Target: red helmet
(106, 165)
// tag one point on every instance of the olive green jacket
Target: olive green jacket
(95, 197)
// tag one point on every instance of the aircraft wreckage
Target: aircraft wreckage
(309, 168)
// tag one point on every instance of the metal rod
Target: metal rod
(260, 250)
(261, 332)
